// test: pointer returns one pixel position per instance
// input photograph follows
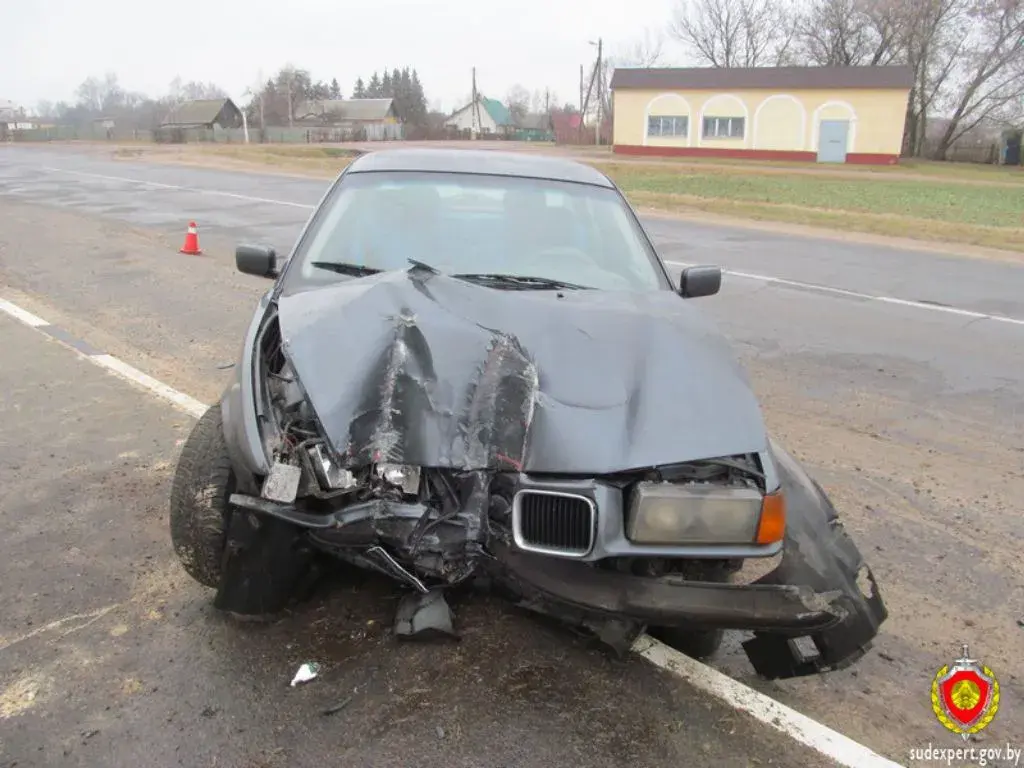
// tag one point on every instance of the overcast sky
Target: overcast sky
(50, 46)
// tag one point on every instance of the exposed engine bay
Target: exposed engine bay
(433, 524)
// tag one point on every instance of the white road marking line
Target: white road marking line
(733, 693)
(183, 402)
(83, 619)
(798, 727)
(180, 400)
(20, 314)
(196, 190)
(865, 296)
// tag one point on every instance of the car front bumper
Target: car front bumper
(818, 610)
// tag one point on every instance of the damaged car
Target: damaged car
(474, 367)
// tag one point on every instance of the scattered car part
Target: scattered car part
(306, 672)
(424, 616)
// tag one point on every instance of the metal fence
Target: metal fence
(986, 152)
(79, 133)
(173, 135)
(283, 135)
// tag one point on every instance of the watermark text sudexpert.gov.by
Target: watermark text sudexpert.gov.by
(1002, 755)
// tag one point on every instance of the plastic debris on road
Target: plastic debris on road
(307, 672)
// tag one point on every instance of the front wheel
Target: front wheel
(698, 643)
(199, 508)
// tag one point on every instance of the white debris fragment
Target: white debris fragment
(307, 672)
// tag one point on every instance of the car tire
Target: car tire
(199, 508)
(697, 643)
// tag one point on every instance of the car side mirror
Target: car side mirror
(700, 281)
(256, 260)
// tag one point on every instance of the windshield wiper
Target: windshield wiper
(519, 281)
(346, 269)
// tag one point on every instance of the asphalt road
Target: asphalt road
(110, 656)
(909, 416)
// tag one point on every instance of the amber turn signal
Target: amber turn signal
(772, 526)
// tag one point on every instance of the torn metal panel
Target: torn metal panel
(820, 555)
(412, 367)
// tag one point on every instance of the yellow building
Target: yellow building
(823, 114)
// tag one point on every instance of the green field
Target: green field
(940, 202)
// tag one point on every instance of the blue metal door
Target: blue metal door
(832, 136)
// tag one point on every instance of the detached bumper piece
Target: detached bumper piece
(668, 601)
(820, 555)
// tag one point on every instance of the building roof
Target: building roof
(346, 109)
(499, 112)
(480, 161)
(198, 112)
(540, 121)
(737, 78)
(563, 121)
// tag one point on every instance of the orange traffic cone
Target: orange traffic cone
(191, 246)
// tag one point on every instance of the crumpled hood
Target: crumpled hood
(419, 368)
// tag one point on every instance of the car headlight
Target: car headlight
(667, 513)
(327, 472)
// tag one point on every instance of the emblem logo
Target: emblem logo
(965, 696)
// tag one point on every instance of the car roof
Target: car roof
(481, 161)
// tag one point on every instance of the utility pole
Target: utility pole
(585, 100)
(600, 94)
(291, 118)
(260, 89)
(474, 110)
(581, 89)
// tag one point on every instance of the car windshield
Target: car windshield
(478, 226)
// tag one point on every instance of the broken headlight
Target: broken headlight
(708, 514)
(400, 476)
(327, 472)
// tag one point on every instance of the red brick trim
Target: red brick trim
(860, 158)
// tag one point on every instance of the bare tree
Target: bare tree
(645, 51)
(846, 33)
(933, 36)
(90, 94)
(518, 99)
(736, 33)
(197, 90)
(887, 19)
(990, 71)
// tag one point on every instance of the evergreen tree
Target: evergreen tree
(373, 90)
(335, 88)
(417, 101)
(386, 86)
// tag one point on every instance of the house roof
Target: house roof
(565, 122)
(536, 122)
(736, 78)
(198, 112)
(499, 112)
(347, 109)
